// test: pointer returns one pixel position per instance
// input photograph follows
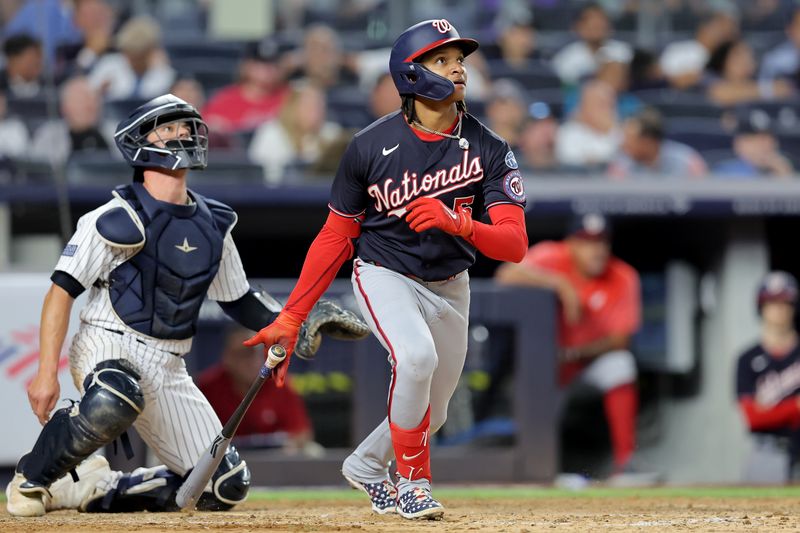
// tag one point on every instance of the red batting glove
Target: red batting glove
(283, 331)
(426, 213)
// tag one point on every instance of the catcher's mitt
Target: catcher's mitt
(328, 318)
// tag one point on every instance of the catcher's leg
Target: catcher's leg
(154, 489)
(111, 403)
(177, 425)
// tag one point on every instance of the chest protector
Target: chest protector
(158, 291)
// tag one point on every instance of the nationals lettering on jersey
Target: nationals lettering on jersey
(767, 379)
(387, 165)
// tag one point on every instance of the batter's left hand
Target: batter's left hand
(426, 213)
(283, 331)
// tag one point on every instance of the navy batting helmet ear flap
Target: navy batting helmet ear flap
(410, 77)
(133, 135)
(777, 286)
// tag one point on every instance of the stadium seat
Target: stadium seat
(348, 107)
(534, 75)
(680, 103)
(96, 168)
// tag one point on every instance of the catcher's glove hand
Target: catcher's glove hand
(328, 318)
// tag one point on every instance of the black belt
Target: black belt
(140, 341)
(412, 276)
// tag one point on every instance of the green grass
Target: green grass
(543, 492)
(529, 493)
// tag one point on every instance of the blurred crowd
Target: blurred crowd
(683, 89)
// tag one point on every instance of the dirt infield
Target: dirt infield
(582, 512)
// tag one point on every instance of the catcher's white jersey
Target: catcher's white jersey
(177, 422)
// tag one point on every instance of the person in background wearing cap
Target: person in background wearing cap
(768, 384)
(600, 310)
(645, 153)
(537, 141)
(256, 97)
(140, 70)
(506, 110)
(757, 150)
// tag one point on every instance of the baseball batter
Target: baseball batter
(148, 257)
(406, 199)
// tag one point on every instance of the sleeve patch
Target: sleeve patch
(69, 250)
(511, 161)
(513, 186)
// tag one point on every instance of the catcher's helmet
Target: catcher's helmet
(777, 286)
(131, 135)
(411, 78)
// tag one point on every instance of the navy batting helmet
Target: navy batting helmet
(188, 152)
(777, 286)
(411, 78)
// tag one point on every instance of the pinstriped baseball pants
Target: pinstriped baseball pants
(177, 422)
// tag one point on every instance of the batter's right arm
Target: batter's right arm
(44, 390)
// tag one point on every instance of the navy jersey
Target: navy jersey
(386, 166)
(767, 379)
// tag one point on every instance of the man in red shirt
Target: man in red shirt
(255, 98)
(277, 417)
(600, 311)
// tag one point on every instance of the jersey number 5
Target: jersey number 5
(465, 202)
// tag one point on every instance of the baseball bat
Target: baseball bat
(193, 487)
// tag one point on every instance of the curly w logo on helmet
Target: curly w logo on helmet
(442, 25)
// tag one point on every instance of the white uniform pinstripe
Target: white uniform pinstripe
(177, 422)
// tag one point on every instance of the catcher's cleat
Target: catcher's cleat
(68, 494)
(25, 498)
(419, 503)
(383, 494)
(27, 501)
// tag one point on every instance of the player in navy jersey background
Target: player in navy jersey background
(768, 381)
(407, 199)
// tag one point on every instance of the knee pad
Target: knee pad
(111, 402)
(611, 370)
(229, 484)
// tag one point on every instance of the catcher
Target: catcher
(148, 257)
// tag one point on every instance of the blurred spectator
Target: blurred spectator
(14, 139)
(591, 136)
(22, 77)
(783, 61)
(645, 72)
(384, 98)
(516, 44)
(757, 150)
(322, 61)
(80, 128)
(257, 95)
(683, 62)
(297, 137)
(189, 90)
(277, 417)
(579, 59)
(600, 311)
(49, 21)
(506, 110)
(646, 154)
(95, 20)
(537, 142)
(767, 384)
(732, 68)
(140, 70)
(617, 75)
